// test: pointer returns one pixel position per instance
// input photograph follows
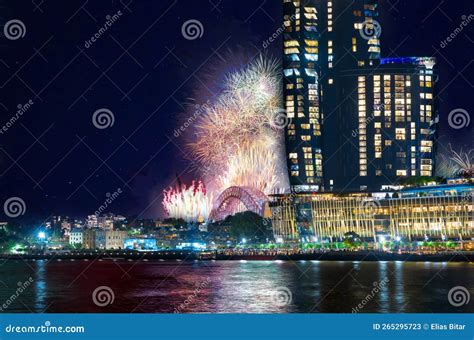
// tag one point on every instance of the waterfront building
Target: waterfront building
(138, 243)
(76, 237)
(84, 237)
(88, 239)
(356, 120)
(92, 221)
(438, 212)
(109, 239)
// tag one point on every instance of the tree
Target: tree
(250, 226)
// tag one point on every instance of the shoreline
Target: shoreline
(361, 256)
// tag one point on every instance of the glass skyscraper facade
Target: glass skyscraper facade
(358, 121)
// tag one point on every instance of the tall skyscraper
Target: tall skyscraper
(302, 91)
(386, 125)
(358, 121)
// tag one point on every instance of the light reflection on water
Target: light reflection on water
(236, 286)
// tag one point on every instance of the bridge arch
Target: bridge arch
(229, 200)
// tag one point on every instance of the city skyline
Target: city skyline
(303, 157)
(76, 181)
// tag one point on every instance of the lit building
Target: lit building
(316, 47)
(439, 212)
(110, 239)
(88, 239)
(76, 237)
(386, 129)
(83, 237)
(92, 221)
(140, 244)
(357, 121)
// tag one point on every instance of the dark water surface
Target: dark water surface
(234, 286)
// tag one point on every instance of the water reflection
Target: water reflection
(239, 287)
(40, 285)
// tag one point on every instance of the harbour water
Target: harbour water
(79, 286)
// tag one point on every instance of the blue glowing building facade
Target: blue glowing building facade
(141, 244)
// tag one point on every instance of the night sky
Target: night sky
(148, 75)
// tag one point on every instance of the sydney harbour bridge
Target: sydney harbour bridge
(235, 199)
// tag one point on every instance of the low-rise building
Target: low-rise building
(110, 239)
(139, 243)
(84, 237)
(432, 212)
(76, 237)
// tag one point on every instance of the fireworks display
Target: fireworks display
(237, 140)
(456, 163)
(191, 203)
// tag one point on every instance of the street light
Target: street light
(41, 235)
